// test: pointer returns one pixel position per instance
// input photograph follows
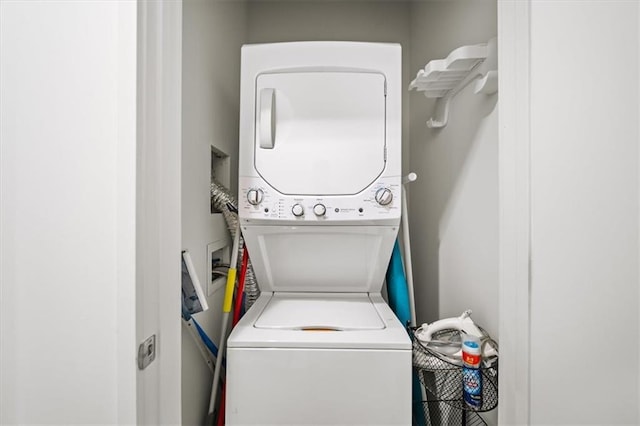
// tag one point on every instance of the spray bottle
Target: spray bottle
(471, 374)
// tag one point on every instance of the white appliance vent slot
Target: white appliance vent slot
(445, 78)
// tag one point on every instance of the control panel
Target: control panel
(257, 200)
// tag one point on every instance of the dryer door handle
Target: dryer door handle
(267, 118)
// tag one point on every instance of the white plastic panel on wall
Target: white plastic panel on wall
(328, 130)
(584, 213)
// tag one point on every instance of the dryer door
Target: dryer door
(320, 133)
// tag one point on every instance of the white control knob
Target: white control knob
(254, 196)
(384, 196)
(297, 210)
(319, 209)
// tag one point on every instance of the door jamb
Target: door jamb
(514, 164)
(158, 201)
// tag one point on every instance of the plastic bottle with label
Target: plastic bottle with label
(471, 373)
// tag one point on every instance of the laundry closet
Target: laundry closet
(116, 116)
(453, 204)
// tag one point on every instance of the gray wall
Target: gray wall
(453, 206)
(454, 203)
(213, 32)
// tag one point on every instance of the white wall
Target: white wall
(67, 169)
(213, 32)
(584, 212)
(454, 203)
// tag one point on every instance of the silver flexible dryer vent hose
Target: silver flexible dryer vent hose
(223, 201)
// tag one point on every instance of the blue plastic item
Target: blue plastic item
(397, 287)
(398, 295)
(207, 341)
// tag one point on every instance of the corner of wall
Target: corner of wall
(213, 33)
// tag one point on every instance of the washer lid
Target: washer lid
(341, 312)
(246, 334)
(320, 132)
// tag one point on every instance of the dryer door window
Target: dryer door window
(320, 133)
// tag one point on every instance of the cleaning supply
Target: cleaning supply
(237, 308)
(226, 311)
(237, 313)
(451, 349)
(223, 201)
(471, 373)
(193, 300)
(406, 254)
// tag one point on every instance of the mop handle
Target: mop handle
(226, 309)
(411, 177)
(241, 279)
(228, 294)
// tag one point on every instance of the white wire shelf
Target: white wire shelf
(445, 78)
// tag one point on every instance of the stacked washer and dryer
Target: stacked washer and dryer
(319, 191)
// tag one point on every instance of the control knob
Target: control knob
(319, 209)
(384, 196)
(254, 196)
(297, 210)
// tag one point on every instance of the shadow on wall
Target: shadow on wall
(454, 206)
(468, 229)
(468, 143)
(442, 157)
(456, 203)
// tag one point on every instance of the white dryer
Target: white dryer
(319, 206)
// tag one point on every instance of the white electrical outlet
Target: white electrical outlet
(218, 252)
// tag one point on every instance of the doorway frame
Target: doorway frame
(514, 181)
(158, 214)
(159, 143)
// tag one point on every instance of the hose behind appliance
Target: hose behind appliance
(220, 198)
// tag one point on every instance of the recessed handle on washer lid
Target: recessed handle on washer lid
(267, 118)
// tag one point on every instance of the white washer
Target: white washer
(319, 205)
